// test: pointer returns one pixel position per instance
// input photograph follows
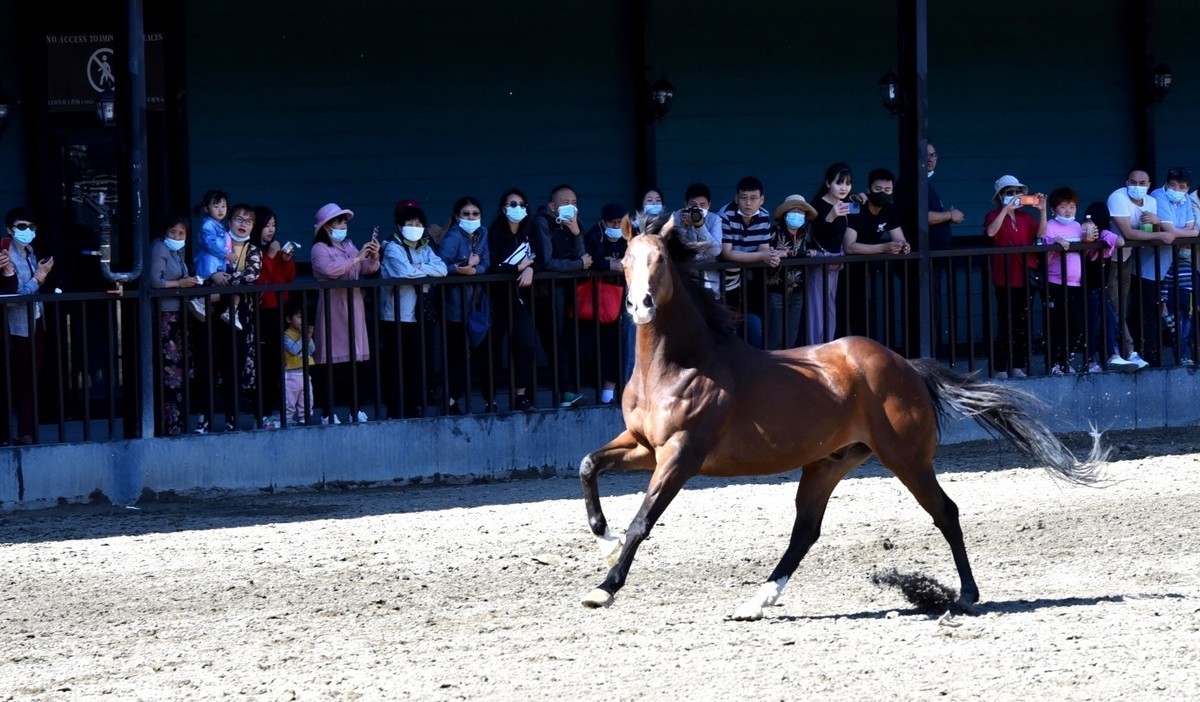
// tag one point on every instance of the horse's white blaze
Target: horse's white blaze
(638, 282)
(768, 593)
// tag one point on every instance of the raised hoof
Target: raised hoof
(597, 598)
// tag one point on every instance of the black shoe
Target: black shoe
(455, 409)
(522, 404)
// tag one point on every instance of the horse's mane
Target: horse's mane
(716, 314)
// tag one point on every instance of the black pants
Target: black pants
(1011, 349)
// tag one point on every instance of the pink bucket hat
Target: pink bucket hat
(331, 211)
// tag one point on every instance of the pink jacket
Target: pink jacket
(336, 262)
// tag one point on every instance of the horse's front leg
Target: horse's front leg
(677, 462)
(623, 453)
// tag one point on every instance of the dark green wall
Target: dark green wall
(14, 188)
(364, 104)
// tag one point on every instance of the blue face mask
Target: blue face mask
(1175, 196)
(794, 220)
(338, 234)
(25, 236)
(613, 233)
(515, 214)
(175, 244)
(1064, 220)
(1009, 199)
(468, 225)
(653, 210)
(1136, 192)
(566, 212)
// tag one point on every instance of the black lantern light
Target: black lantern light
(661, 95)
(1160, 81)
(4, 100)
(106, 110)
(889, 90)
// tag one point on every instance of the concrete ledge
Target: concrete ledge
(463, 449)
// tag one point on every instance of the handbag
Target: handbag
(609, 297)
(479, 319)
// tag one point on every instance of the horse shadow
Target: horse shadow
(1020, 606)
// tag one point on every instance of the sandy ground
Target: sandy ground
(472, 592)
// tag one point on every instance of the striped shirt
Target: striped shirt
(742, 236)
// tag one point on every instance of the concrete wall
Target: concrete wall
(472, 448)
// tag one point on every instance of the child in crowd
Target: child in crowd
(298, 348)
(1103, 333)
(214, 246)
(1064, 272)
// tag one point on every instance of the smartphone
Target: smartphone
(855, 208)
(5, 243)
(375, 234)
(1029, 200)
(289, 247)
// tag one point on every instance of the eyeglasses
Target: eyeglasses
(243, 220)
(23, 226)
(514, 203)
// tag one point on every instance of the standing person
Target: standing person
(298, 348)
(464, 250)
(605, 243)
(239, 373)
(512, 319)
(785, 286)
(26, 324)
(746, 238)
(1174, 296)
(277, 268)
(211, 253)
(1066, 301)
(341, 324)
(1103, 336)
(701, 229)
(169, 270)
(1009, 225)
(408, 314)
(874, 231)
(558, 248)
(826, 236)
(1134, 216)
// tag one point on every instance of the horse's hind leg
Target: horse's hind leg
(923, 484)
(624, 453)
(676, 465)
(812, 496)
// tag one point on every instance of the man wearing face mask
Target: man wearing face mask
(1174, 213)
(26, 325)
(1134, 216)
(558, 247)
(874, 230)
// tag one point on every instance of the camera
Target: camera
(693, 216)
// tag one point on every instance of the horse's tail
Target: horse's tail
(1000, 409)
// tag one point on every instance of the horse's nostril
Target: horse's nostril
(648, 302)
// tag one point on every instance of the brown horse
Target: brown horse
(703, 402)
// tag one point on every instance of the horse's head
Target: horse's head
(647, 266)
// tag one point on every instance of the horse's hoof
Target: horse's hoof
(748, 612)
(967, 606)
(598, 598)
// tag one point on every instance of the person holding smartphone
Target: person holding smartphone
(26, 326)
(1009, 225)
(826, 235)
(464, 249)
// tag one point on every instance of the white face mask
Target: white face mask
(174, 244)
(515, 214)
(338, 234)
(412, 233)
(1064, 220)
(1010, 199)
(565, 213)
(239, 239)
(468, 225)
(652, 210)
(1136, 192)
(1175, 196)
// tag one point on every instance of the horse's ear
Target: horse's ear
(666, 229)
(626, 227)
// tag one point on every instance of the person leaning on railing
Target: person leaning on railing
(24, 330)
(512, 317)
(277, 268)
(169, 270)
(1008, 225)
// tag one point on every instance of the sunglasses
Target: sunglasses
(1007, 193)
(514, 203)
(23, 226)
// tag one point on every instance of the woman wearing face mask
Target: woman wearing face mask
(277, 268)
(464, 249)
(169, 270)
(511, 254)
(650, 206)
(341, 325)
(408, 313)
(826, 234)
(785, 284)
(605, 243)
(1009, 225)
(26, 327)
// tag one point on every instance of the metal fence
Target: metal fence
(79, 376)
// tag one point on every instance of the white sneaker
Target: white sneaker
(1000, 375)
(236, 322)
(1135, 358)
(269, 423)
(1115, 362)
(361, 417)
(1018, 373)
(198, 311)
(328, 420)
(1095, 368)
(202, 425)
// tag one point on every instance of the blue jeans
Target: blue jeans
(780, 336)
(1102, 337)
